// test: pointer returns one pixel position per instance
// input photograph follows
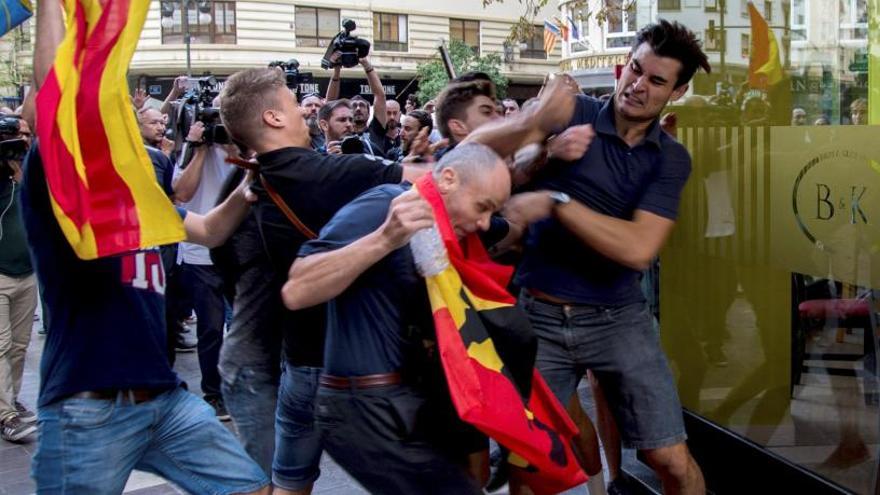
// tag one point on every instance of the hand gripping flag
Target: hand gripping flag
(487, 348)
(102, 186)
(765, 69)
(13, 13)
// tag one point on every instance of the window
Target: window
(714, 40)
(534, 45)
(768, 12)
(580, 19)
(467, 32)
(315, 27)
(744, 8)
(798, 20)
(669, 5)
(853, 19)
(620, 23)
(745, 45)
(389, 32)
(209, 21)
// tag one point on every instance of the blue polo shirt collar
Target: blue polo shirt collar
(605, 124)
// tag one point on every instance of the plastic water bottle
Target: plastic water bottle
(428, 252)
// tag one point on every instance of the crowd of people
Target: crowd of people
(313, 327)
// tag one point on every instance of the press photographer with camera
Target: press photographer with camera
(347, 50)
(198, 179)
(335, 120)
(18, 289)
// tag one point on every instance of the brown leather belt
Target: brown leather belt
(132, 395)
(363, 381)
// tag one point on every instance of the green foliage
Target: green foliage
(432, 75)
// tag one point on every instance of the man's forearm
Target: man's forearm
(508, 135)
(167, 105)
(50, 33)
(320, 277)
(187, 183)
(378, 94)
(623, 241)
(333, 87)
(213, 228)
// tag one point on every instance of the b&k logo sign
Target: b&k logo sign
(831, 191)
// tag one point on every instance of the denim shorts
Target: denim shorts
(622, 349)
(90, 446)
(298, 443)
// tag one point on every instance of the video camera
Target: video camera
(12, 148)
(350, 47)
(293, 77)
(197, 106)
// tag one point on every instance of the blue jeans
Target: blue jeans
(90, 446)
(205, 286)
(298, 443)
(250, 396)
(622, 349)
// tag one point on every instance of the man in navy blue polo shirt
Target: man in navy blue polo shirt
(607, 216)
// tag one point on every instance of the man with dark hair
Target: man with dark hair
(463, 107)
(596, 224)
(413, 123)
(510, 106)
(335, 121)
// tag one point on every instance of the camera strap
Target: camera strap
(279, 202)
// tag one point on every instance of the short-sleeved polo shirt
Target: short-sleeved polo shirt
(613, 179)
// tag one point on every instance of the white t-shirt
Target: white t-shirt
(215, 171)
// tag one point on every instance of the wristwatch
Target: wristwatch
(559, 198)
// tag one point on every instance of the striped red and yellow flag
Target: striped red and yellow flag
(101, 182)
(488, 348)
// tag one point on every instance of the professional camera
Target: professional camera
(11, 147)
(350, 48)
(352, 145)
(11, 150)
(293, 77)
(196, 105)
(9, 126)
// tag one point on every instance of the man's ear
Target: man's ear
(457, 127)
(323, 125)
(678, 92)
(273, 118)
(447, 181)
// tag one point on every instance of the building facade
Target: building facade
(227, 36)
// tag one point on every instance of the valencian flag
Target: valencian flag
(551, 34)
(488, 349)
(13, 13)
(102, 185)
(765, 69)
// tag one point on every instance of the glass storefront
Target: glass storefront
(768, 287)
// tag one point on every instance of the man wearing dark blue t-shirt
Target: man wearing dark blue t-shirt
(607, 216)
(378, 419)
(109, 401)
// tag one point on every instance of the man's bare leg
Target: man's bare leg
(677, 469)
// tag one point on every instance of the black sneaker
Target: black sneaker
(498, 471)
(24, 415)
(12, 429)
(619, 486)
(219, 408)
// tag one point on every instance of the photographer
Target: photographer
(372, 133)
(197, 184)
(18, 290)
(335, 120)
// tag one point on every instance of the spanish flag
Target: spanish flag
(101, 182)
(487, 348)
(13, 13)
(765, 69)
